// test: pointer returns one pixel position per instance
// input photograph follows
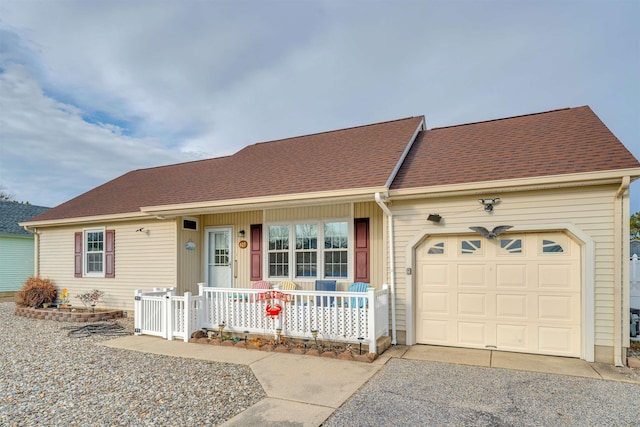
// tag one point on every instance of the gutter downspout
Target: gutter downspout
(392, 265)
(618, 294)
(36, 249)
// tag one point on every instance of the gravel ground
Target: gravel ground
(51, 379)
(418, 393)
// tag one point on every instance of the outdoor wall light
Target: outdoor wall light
(241, 234)
(190, 245)
(434, 218)
(488, 203)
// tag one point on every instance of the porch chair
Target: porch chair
(325, 285)
(288, 286)
(262, 284)
(357, 287)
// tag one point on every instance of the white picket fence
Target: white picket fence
(634, 282)
(350, 317)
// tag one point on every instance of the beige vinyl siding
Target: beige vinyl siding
(589, 208)
(308, 212)
(190, 269)
(143, 260)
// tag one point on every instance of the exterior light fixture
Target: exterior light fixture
(241, 234)
(434, 218)
(488, 203)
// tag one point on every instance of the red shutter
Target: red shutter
(361, 250)
(110, 254)
(256, 252)
(77, 259)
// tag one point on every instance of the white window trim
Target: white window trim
(85, 245)
(320, 260)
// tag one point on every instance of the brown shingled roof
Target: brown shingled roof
(359, 157)
(567, 141)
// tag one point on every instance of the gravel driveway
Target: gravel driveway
(48, 378)
(418, 393)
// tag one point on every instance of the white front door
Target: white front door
(219, 257)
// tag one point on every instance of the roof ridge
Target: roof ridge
(508, 118)
(335, 130)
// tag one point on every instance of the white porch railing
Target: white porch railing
(336, 316)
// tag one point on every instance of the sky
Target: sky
(90, 90)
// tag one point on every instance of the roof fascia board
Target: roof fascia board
(521, 184)
(421, 126)
(17, 236)
(326, 197)
(86, 220)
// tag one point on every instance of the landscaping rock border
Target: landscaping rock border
(65, 315)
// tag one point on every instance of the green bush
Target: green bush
(35, 292)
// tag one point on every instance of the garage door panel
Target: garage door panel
(472, 334)
(555, 308)
(512, 337)
(511, 276)
(435, 274)
(555, 340)
(436, 331)
(472, 304)
(435, 303)
(472, 275)
(513, 306)
(555, 276)
(522, 296)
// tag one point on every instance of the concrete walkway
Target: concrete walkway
(309, 389)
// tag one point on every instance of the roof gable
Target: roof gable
(11, 213)
(359, 157)
(567, 141)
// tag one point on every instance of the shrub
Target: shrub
(35, 292)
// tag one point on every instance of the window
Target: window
(94, 252)
(278, 251)
(511, 246)
(310, 260)
(550, 246)
(336, 243)
(471, 247)
(436, 249)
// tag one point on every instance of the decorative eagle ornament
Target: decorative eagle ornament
(493, 233)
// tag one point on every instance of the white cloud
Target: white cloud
(172, 79)
(49, 153)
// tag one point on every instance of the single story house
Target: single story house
(508, 234)
(16, 245)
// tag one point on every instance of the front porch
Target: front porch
(347, 317)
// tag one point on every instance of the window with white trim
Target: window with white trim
(305, 258)
(93, 252)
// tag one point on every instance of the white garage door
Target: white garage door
(514, 293)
